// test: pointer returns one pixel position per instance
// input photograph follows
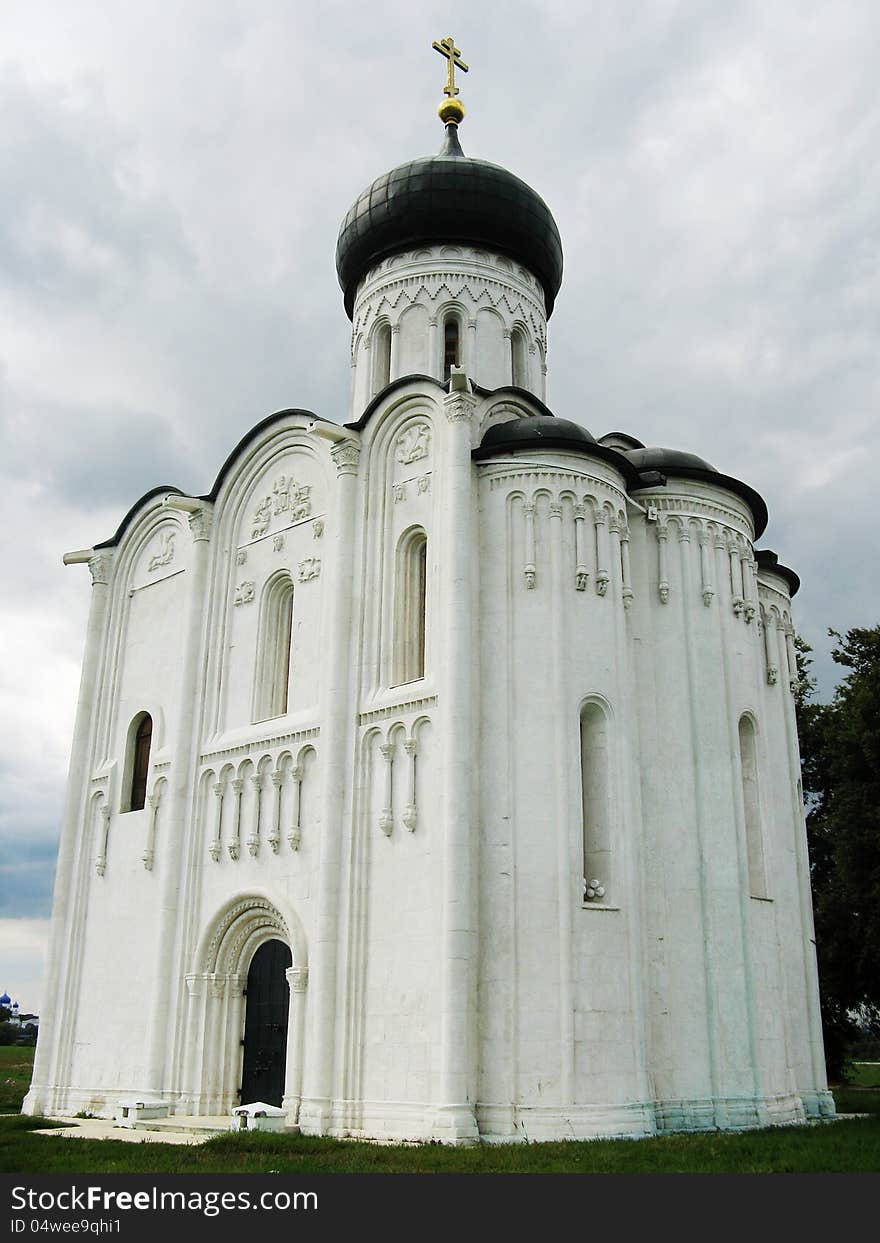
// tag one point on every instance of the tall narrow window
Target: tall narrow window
(748, 760)
(409, 607)
(140, 764)
(382, 358)
(595, 787)
(273, 656)
(451, 345)
(519, 358)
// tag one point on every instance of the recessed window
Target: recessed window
(410, 606)
(748, 759)
(519, 358)
(273, 657)
(140, 764)
(451, 345)
(595, 787)
(382, 357)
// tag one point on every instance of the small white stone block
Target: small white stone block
(130, 1111)
(258, 1117)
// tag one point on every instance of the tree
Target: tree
(840, 761)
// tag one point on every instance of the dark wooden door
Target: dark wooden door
(265, 1025)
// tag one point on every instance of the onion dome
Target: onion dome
(545, 431)
(5, 1000)
(688, 466)
(451, 198)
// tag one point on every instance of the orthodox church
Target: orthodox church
(436, 776)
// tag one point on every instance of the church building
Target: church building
(436, 776)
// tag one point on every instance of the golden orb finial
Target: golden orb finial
(451, 110)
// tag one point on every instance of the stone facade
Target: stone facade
(541, 863)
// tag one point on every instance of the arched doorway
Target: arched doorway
(265, 1025)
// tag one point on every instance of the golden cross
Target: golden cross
(447, 48)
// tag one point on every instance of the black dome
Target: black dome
(666, 460)
(689, 466)
(545, 431)
(449, 198)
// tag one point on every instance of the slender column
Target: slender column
(434, 360)
(297, 980)
(214, 851)
(149, 854)
(104, 833)
(394, 361)
(454, 1117)
(410, 815)
(582, 573)
(748, 585)
(275, 832)
(235, 844)
(386, 816)
(54, 1021)
(508, 355)
(625, 574)
(529, 569)
(253, 841)
(197, 999)
(334, 777)
(663, 560)
(178, 821)
(791, 654)
(770, 646)
(603, 559)
(294, 835)
(706, 576)
(736, 577)
(469, 360)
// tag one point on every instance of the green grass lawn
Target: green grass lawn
(16, 1063)
(842, 1147)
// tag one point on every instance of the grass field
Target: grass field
(843, 1147)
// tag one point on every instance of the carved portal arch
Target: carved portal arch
(212, 1063)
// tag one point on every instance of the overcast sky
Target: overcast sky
(172, 178)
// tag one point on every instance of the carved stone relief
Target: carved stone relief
(244, 593)
(308, 568)
(413, 443)
(165, 553)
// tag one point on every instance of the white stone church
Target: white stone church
(436, 776)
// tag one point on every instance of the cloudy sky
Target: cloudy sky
(172, 177)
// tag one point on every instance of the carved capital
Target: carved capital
(602, 584)
(214, 851)
(600, 517)
(772, 675)
(708, 593)
(628, 597)
(297, 978)
(410, 817)
(410, 746)
(277, 778)
(294, 838)
(238, 785)
(529, 507)
(459, 407)
(219, 787)
(386, 823)
(663, 592)
(556, 509)
(99, 568)
(580, 580)
(580, 512)
(346, 456)
(387, 751)
(200, 524)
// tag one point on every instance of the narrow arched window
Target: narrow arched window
(595, 789)
(140, 763)
(451, 345)
(519, 365)
(748, 761)
(382, 357)
(410, 607)
(273, 655)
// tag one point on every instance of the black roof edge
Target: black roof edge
(170, 488)
(752, 498)
(511, 389)
(166, 488)
(768, 560)
(248, 437)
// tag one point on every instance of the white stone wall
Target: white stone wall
(412, 292)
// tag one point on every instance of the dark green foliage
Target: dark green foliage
(840, 750)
